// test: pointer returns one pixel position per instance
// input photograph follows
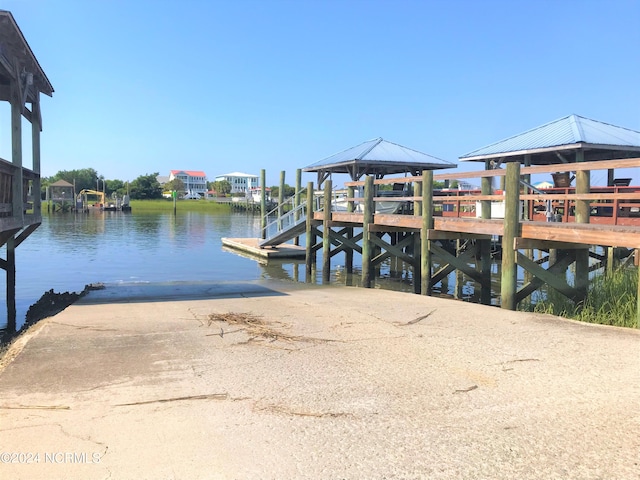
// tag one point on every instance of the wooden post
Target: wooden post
(427, 224)
(35, 154)
(310, 257)
(11, 285)
(583, 185)
(508, 284)
(417, 242)
(326, 230)
(263, 204)
(280, 200)
(349, 251)
(367, 220)
(485, 245)
(296, 201)
(16, 152)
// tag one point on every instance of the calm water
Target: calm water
(69, 251)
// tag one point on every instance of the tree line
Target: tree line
(145, 187)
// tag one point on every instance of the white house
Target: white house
(240, 182)
(195, 182)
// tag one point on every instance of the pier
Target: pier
(541, 245)
(22, 80)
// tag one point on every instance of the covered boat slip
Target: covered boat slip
(414, 237)
(21, 82)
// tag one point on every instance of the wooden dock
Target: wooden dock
(251, 246)
(540, 251)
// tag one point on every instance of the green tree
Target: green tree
(175, 184)
(146, 187)
(221, 187)
(115, 186)
(82, 178)
(288, 191)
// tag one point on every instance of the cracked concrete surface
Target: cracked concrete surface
(346, 383)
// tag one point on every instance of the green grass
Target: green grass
(611, 300)
(166, 205)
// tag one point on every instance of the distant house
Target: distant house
(240, 182)
(195, 182)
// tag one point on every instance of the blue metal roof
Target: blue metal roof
(379, 150)
(571, 130)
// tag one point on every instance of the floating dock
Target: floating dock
(250, 246)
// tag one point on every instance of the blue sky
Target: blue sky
(221, 86)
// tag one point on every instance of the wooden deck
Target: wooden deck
(591, 234)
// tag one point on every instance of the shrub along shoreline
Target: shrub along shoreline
(166, 205)
(611, 300)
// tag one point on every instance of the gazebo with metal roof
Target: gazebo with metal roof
(569, 139)
(376, 157)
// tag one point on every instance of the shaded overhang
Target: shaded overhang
(560, 141)
(378, 158)
(18, 63)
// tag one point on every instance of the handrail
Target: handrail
(294, 216)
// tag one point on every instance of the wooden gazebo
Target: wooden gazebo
(21, 82)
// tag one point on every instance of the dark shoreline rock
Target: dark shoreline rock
(49, 304)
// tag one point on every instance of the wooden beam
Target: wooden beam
(469, 225)
(395, 250)
(551, 279)
(530, 243)
(458, 263)
(559, 267)
(440, 235)
(589, 234)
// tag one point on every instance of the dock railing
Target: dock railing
(612, 205)
(20, 204)
(291, 213)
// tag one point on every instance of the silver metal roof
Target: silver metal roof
(377, 157)
(569, 133)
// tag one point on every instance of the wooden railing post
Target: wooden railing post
(296, 202)
(427, 224)
(263, 204)
(367, 220)
(281, 200)
(508, 284)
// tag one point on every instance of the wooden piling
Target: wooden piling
(427, 224)
(367, 220)
(417, 242)
(582, 213)
(349, 233)
(310, 238)
(511, 225)
(485, 245)
(326, 232)
(11, 285)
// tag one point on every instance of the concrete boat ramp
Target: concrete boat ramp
(270, 380)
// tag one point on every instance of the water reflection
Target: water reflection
(69, 251)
